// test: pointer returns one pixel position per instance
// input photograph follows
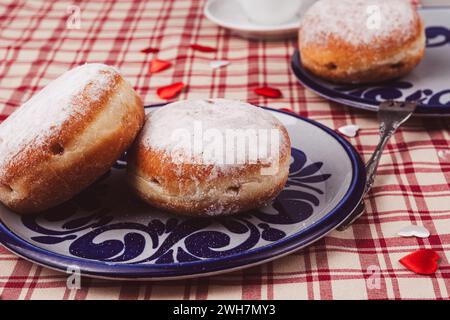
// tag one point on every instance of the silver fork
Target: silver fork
(391, 115)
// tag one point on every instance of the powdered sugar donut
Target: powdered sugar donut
(209, 157)
(361, 41)
(66, 136)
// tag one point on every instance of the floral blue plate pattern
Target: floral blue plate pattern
(428, 83)
(107, 232)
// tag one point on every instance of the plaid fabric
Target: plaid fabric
(412, 185)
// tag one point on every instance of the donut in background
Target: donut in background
(361, 41)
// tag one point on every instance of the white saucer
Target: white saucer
(228, 14)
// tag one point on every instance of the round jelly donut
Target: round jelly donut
(66, 136)
(361, 41)
(209, 157)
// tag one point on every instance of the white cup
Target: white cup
(273, 12)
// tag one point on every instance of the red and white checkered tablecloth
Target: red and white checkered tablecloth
(413, 184)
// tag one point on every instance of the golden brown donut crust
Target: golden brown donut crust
(385, 58)
(74, 156)
(199, 189)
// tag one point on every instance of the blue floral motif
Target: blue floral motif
(175, 239)
(436, 37)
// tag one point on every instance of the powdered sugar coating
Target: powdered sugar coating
(358, 22)
(212, 115)
(45, 113)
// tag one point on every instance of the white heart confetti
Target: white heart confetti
(414, 231)
(350, 131)
(444, 155)
(216, 64)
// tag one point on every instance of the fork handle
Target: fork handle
(371, 170)
(372, 164)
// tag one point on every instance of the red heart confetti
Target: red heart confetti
(268, 92)
(170, 91)
(423, 261)
(201, 48)
(150, 50)
(157, 65)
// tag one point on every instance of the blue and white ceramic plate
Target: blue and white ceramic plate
(107, 232)
(428, 83)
